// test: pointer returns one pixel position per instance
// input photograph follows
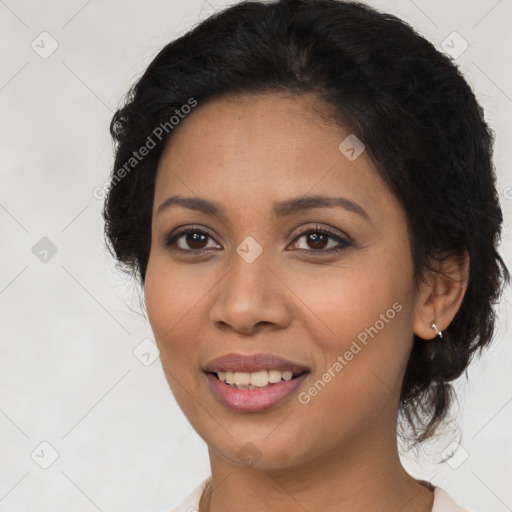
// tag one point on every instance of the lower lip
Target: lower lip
(253, 400)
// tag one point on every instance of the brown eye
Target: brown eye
(321, 240)
(317, 240)
(195, 240)
(190, 240)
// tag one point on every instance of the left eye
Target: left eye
(321, 240)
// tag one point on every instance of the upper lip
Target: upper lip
(252, 363)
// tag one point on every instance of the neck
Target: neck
(368, 475)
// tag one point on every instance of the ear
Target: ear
(440, 295)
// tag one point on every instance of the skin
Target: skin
(339, 451)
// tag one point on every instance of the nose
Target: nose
(251, 297)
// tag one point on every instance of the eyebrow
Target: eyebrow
(279, 208)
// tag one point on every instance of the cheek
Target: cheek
(173, 295)
(363, 314)
(370, 293)
(172, 303)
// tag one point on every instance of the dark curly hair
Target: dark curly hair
(418, 118)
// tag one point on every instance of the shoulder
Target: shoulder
(191, 502)
(444, 503)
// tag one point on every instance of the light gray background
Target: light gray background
(70, 325)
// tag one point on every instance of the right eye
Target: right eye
(189, 239)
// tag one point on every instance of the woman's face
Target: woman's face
(258, 275)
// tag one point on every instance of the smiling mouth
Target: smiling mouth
(255, 380)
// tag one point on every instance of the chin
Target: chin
(261, 453)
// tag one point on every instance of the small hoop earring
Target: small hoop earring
(438, 332)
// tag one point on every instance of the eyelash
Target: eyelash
(170, 241)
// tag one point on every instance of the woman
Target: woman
(305, 191)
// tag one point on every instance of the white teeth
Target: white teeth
(259, 379)
(242, 379)
(274, 376)
(287, 375)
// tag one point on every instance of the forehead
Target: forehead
(263, 146)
